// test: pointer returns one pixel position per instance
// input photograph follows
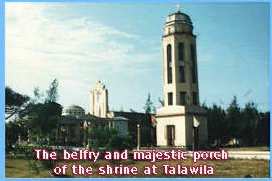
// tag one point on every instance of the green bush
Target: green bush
(119, 143)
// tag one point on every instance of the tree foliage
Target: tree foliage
(14, 129)
(43, 117)
(101, 135)
(149, 107)
(52, 92)
(109, 139)
(263, 129)
(233, 119)
(250, 119)
(216, 117)
(39, 116)
(244, 123)
(15, 102)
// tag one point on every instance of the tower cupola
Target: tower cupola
(178, 22)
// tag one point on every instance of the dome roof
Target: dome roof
(178, 23)
(74, 110)
(75, 107)
(120, 118)
(179, 17)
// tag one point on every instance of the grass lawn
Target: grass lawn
(230, 168)
(19, 168)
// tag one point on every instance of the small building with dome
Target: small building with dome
(74, 110)
(74, 124)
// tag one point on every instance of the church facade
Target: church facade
(181, 121)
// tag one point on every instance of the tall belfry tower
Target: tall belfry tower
(182, 121)
(179, 61)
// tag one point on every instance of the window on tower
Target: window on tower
(195, 97)
(181, 52)
(193, 55)
(169, 63)
(170, 98)
(181, 62)
(182, 98)
(181, 74)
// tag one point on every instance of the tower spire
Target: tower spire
(178, 7)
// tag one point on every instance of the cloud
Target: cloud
(41, 46)
(29, 29)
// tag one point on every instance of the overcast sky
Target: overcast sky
(120, 44)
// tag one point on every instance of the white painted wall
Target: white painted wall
(180, 134)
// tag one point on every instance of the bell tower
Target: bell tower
(181, 121)
(180, 84)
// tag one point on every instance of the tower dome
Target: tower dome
(179, 16)
(178, 22)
